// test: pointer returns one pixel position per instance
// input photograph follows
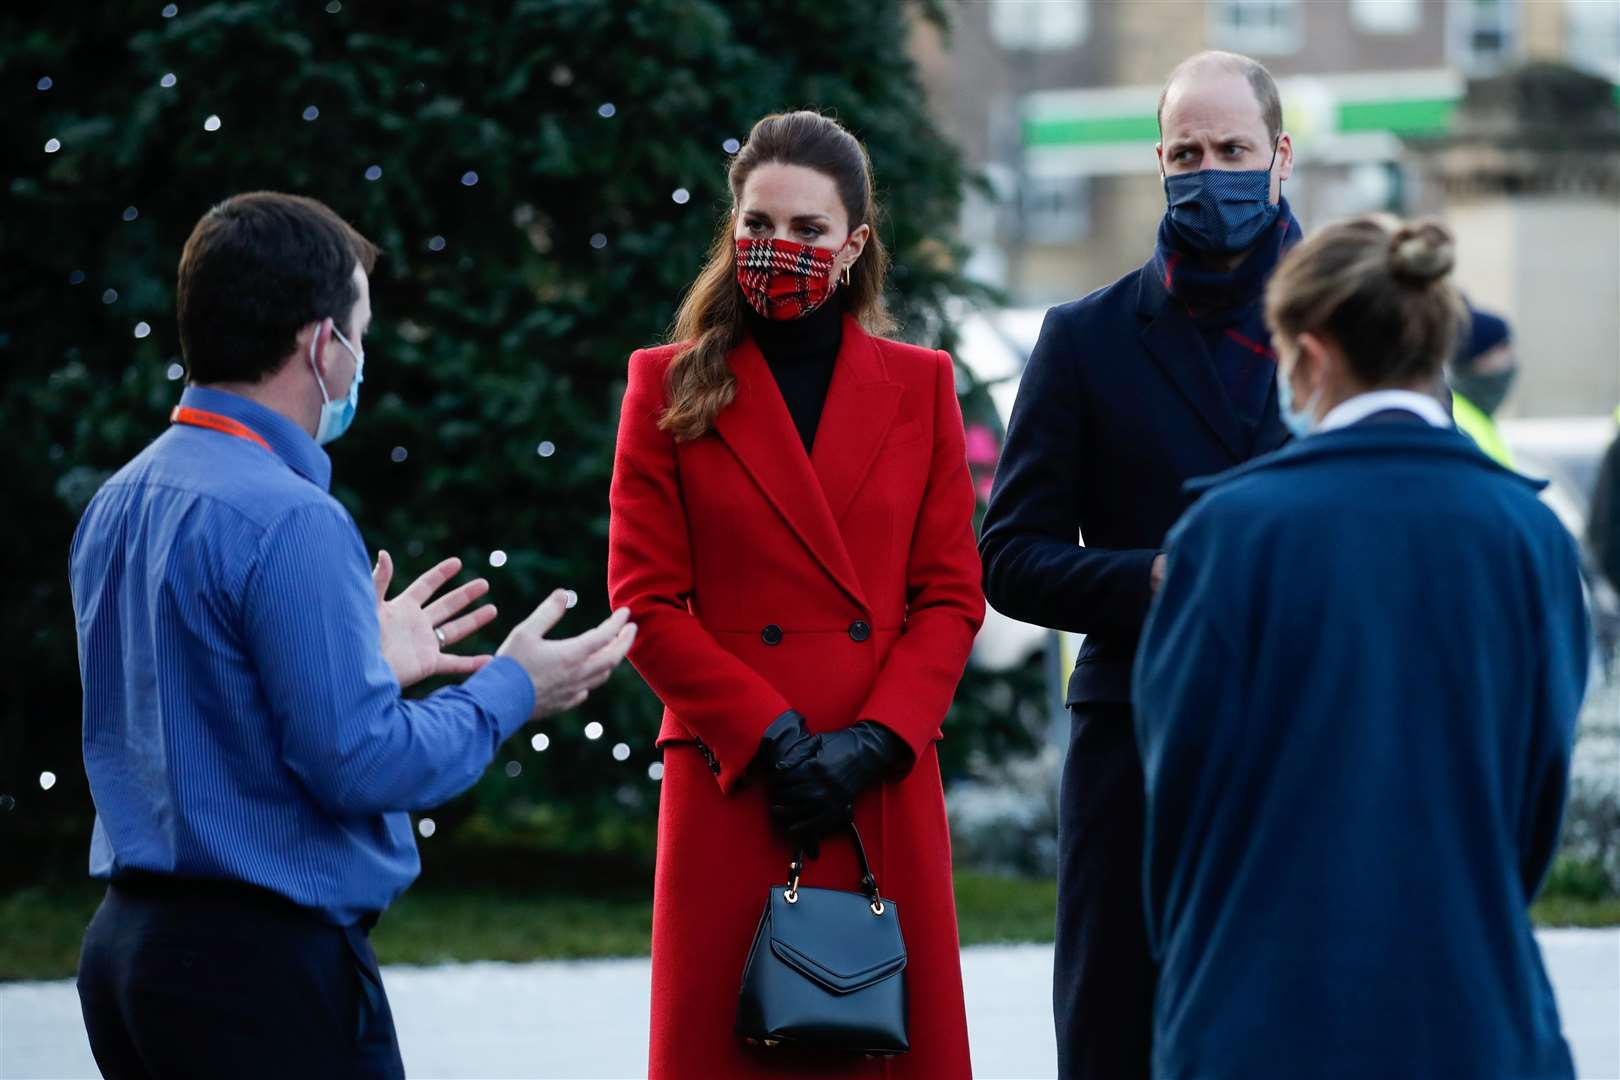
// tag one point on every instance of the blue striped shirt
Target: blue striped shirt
(239, 718)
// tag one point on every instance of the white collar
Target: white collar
(1356, 409)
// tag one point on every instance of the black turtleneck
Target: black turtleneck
(801, 354)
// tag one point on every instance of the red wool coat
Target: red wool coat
(844, 584)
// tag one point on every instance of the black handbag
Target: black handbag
(827, 969)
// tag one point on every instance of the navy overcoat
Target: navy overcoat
(1120, 405)
(1356, 698)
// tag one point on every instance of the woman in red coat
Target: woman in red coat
(792, 531)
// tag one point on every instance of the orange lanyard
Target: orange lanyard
(215, 422)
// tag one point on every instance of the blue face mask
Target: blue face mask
(337, 415)
(1301, 422)
(1221, 211)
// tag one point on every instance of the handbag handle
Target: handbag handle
(869, 885)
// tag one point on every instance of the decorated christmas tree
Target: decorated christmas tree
(543, 178)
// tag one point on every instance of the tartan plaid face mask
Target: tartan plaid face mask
(783, 279)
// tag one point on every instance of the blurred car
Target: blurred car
(994, 345)
(1566, 452)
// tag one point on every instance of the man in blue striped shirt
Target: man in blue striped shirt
(250, 757)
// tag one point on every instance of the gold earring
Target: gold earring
(846, 273)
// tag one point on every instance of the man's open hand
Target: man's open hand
(564, 671)
(416, 629)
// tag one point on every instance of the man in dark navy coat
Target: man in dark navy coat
(1163, 376)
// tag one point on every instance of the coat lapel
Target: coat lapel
(1173, 341)
(760, 432)
(860, 409)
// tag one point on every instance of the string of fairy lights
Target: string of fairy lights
(175, 371)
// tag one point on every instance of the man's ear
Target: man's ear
(317, 335)
(1285, 156)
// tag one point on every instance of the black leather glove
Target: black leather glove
(812, 793)
(784, 743)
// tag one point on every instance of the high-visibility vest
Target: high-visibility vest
(1477, 425)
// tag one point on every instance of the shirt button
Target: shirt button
(771, 635)
(860, 630)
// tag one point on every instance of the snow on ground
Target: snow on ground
(589, 1019)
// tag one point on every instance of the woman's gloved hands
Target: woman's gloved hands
(814, 780)
(786, 742)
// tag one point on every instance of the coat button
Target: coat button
(860, 630)
(771, 635)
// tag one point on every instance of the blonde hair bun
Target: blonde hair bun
(1421, 252)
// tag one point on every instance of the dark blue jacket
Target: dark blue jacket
(1356, 699)
(1119, 406)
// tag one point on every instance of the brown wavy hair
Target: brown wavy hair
(710, 323)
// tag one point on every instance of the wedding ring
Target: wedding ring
(440, 635)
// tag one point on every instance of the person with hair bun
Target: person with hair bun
(792, 529)
(1356, 700)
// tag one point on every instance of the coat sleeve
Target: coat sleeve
(1190, 672)
(715, 695)
(1034, 568)
(1561, 675)
(944, 603)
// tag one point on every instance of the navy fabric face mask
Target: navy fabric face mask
(1221, 211)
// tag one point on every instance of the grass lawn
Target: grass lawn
(1569, 911)
(439, 925)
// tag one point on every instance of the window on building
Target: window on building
(1046, 25)
(1482, 33)
(1261, 27)
(1387, 16)
(1592, 36)
(1055, 210)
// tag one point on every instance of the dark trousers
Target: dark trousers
(1102, 975)
(226, 981)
